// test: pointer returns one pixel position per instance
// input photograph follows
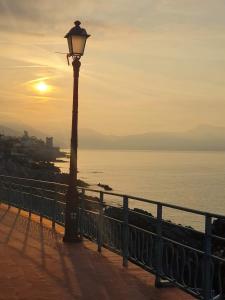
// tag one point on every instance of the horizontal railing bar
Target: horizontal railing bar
(113, 206)
(59, 193)
(177, 207)
(90, 211)
(183, 245)
(38, 196)
(116, 220)
(221, 259)
(143, 230)
(167, 239)
(34, 187)
(164, 204)
(104, 192)
(154, 218)
(35, 180)
(60, 202)
(218, 237)
(93, 201)
(155, 202)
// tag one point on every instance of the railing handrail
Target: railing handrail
(152, 248)
(155, 202)
(35, 180)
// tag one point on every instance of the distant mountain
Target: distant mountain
(17, 129)
(204, 137)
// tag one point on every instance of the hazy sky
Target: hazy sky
(150, 65)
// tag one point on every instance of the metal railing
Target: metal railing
(193, 261)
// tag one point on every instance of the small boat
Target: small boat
(106, 187)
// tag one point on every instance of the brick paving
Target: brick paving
(36, 265)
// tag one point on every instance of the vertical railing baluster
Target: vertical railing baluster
(20, 198)
(41, 205)
(125, 231)
(30, 201)
(54, 207)
(82, 199)
(159, 246)
(9, 194)
(2, 193)
(1, 190)
(207, 257)
(100, 222)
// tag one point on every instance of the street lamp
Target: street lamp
(76, 38)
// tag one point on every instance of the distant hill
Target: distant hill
(203, 137)
(17, 129)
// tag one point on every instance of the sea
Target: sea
(192, 179)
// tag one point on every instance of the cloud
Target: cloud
(143, 58)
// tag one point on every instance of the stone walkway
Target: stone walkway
(36, 265)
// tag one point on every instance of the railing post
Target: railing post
(41, 206)
(9, 193)
(82, 199)
(20, 198)
(159, 246)
(207, 258)
(30, 201)
(54, 208)
(100, 222)
(1, 188)
(125, 236)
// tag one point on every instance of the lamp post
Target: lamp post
(76, 38)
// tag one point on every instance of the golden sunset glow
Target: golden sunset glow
(42, 87)
(164, 71)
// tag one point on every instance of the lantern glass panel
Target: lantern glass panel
(69, 40)
(78, 44)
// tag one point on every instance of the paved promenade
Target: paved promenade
(36, 265)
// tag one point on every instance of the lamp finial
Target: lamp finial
(77, 23)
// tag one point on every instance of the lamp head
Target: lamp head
(77, 38)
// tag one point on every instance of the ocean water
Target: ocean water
(190, 179)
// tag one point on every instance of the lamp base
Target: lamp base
(73, 239)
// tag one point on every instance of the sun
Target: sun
(42, 87)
